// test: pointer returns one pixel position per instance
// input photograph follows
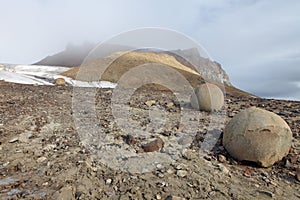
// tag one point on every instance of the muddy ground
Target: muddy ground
(44, 154)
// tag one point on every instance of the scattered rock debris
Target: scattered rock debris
(51, 162)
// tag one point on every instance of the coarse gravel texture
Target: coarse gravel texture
(42, 155)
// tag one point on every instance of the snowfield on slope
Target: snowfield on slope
(43, 75)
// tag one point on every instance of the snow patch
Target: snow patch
(21, 78)
(44, 75)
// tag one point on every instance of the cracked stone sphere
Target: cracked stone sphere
(258, 136)
(207, 97)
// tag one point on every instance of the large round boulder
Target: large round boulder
(207, 97)
(257, 135)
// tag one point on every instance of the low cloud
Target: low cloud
(257, 42)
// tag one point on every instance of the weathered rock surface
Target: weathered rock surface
(64, 193)
(207, 97)
(257, 135)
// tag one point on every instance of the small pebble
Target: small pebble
(41, 159)
(108, 181)
(172, 197)
(158, 196)
(150, 103)
(298, 173)
(45, 184)
(130, 140)
(181, 173)
(13, 140)
(221, 158)
(180, 128)
(207, 158)
(159, 166)
(6, 164)
(270, 194)
(170, 105)
(153, 146)
(180, 166)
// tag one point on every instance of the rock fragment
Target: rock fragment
(170, 105)
(181, 173)
(130, 140)
(108, 181)
(267, 193)
(298, 173)
(179, 128)
(13, 140)
(41, 159)
(221, 158)
(155, 145)
(150, 103)
(172, 197)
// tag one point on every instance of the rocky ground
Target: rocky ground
(43, 154)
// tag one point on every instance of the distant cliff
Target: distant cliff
(210, 70)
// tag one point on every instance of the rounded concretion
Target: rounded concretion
(257, 135)
(60, 82)
(207, 97)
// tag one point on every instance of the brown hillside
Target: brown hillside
(121, 62)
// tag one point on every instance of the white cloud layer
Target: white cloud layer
(257, 42)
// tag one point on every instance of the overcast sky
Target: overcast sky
(257, 42)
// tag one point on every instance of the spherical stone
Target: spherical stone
(207, 97)
(257, 135)
(60, 82)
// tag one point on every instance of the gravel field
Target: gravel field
(51, 150)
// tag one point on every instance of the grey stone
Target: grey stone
(13, 140)
(172, 197)
(298, 174)
(267, 193)
(181, 173)
(185, 140)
